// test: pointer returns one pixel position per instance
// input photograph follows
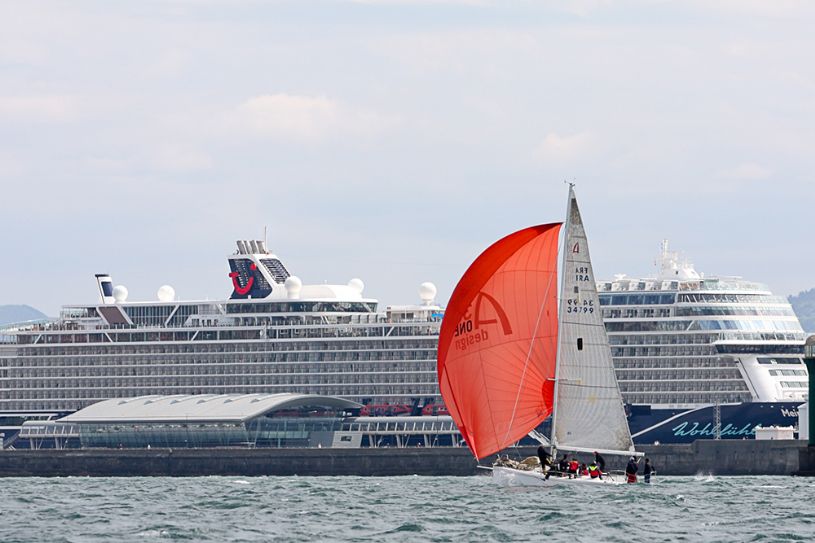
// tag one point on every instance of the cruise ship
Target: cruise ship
(274, 334)
(695, 357)
(702, 357)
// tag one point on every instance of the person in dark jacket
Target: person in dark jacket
(544, 457)
(563, 465)
(600, 461)
(648, 470)
(546, 460)
(631, 470)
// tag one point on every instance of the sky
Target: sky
(395, 140)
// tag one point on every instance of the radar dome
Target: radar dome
(357, 284)
(166, 293)
(293, 286)
(120, 293)
(427, 292)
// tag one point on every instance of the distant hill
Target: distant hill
(19, 313)
(804, 306)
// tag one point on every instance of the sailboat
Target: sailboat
(510, 356)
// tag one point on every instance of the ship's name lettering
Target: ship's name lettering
(709, 429)
(581, 273)
(789, 412)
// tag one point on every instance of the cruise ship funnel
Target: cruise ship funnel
(105, 284)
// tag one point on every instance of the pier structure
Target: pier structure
(704, 456)
(806, 461)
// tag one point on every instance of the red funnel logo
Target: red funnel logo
(249, 282)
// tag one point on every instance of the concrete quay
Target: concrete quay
(725, 457)
(703, 457)
(236, 461)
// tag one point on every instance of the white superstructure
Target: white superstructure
(680, 339)
(274, 335)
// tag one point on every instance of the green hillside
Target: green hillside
(804, 306)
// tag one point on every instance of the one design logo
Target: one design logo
(243, 290)
(471, 328)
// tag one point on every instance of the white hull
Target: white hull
(514, 477)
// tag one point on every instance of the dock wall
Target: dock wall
(244, 462)
(726, 457)
(717, 457)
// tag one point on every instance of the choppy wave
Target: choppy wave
(312, 509)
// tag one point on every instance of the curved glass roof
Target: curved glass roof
(200, 407)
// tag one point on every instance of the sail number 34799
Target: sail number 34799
(578, 306)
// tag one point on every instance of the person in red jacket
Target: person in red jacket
(594, 471)
(574, 466)
(631, 470)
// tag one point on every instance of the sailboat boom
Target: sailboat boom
(601, 451)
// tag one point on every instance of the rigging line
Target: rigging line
(531, 345)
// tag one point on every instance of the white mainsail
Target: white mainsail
(588, 413)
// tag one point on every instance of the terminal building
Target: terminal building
(283, 420)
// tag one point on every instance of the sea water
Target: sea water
(316, 509)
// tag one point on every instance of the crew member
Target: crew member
(600, 461)
(648, 470)
(584, 470)
(574, 466)
(631, 470)
(563, 465)
(545, 458)
(594, 471)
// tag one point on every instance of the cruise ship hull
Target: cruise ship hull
(648, 425)
(655, 425)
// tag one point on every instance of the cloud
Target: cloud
(777, 9)
(47, 108)
(563, 148)
(180, 159)
(168, 158)
(10, 166)
(305, 119)
(581, 8)
(170, 63)
(748, 171)
(302, 117)
(425, 2)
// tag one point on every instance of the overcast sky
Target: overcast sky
(394, 140)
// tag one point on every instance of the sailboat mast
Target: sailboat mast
(561, 298)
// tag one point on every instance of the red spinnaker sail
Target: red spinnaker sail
(498, 341)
